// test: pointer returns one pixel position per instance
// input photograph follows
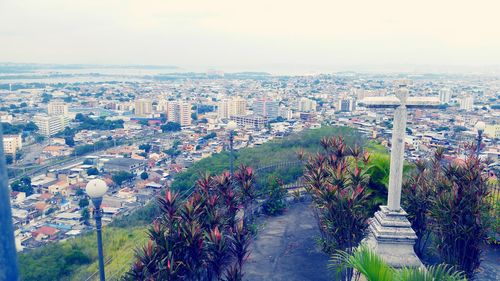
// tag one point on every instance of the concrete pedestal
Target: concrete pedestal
(392, 237)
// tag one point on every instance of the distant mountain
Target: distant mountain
(29, 67)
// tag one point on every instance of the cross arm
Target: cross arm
(393, 102)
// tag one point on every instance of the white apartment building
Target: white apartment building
(51, 125)
(306, 105)
(12, 143)
(266, 108)
(55, 108)
(445, 95)
(466, 103)
(143, 107)
(347, 105)
(231, 107)
(179, 112)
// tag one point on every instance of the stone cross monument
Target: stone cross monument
(391, 235)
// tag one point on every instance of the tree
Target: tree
(85, 215)
(144, 175)
(120, 177)
(23, 185)
(172, 152)
(208, 243)
(194, 116)
(9, 159)
(170, 127)
(210, 136)
(46, 97)
(84, 202)
(143, 122)
(31, 127)
(338, 185)
(460, 212)
(69, 141)
(276, 197)
(449, 202)
(92, 171)
(146, 147)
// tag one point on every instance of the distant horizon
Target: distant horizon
(280, 69)
(279, 36)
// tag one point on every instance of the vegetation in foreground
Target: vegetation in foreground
(449, 207)
(35, 268)
(373, 268)
(338, 183)
(201, 237)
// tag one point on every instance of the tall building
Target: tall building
(179, 112)
(307, 105)
(466, 103)
(231, 107)
(12, 143)
(55, 108)
(444, 95)
(143, 107)
(347, 105)
(492, 131)
(266, 108)
(51, 125)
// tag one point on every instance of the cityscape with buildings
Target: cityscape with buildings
(101, 128)
(249, 141)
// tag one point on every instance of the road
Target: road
(72, 160)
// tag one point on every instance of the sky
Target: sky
(312, 35)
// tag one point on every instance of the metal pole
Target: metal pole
(231, 152)
(8, 258)
(98, 225)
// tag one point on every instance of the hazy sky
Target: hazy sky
(252, 33)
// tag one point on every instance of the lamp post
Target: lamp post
(96, 189)
(480, 126)
(231, 126)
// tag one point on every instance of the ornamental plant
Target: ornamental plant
(338, 186)
(200, 237)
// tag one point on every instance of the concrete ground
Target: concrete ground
(285, 249)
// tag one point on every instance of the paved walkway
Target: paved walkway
(285, 249)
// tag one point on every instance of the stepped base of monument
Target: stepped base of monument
(392, 238)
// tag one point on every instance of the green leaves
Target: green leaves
(199, 238)
(338, 185)
(374, 268)
(449, 202)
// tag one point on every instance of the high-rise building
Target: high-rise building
(12, 143)
(179, 112)
(492, 131)
(231, 107)
(347, 105)
(444, 95)
(55, 108)
(184, 113)
(51, 125)
(143, 107)
(266, 108)
(466, 103)
(307, 105)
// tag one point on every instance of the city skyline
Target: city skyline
(279, 37)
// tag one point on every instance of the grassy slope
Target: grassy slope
(126, 234)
